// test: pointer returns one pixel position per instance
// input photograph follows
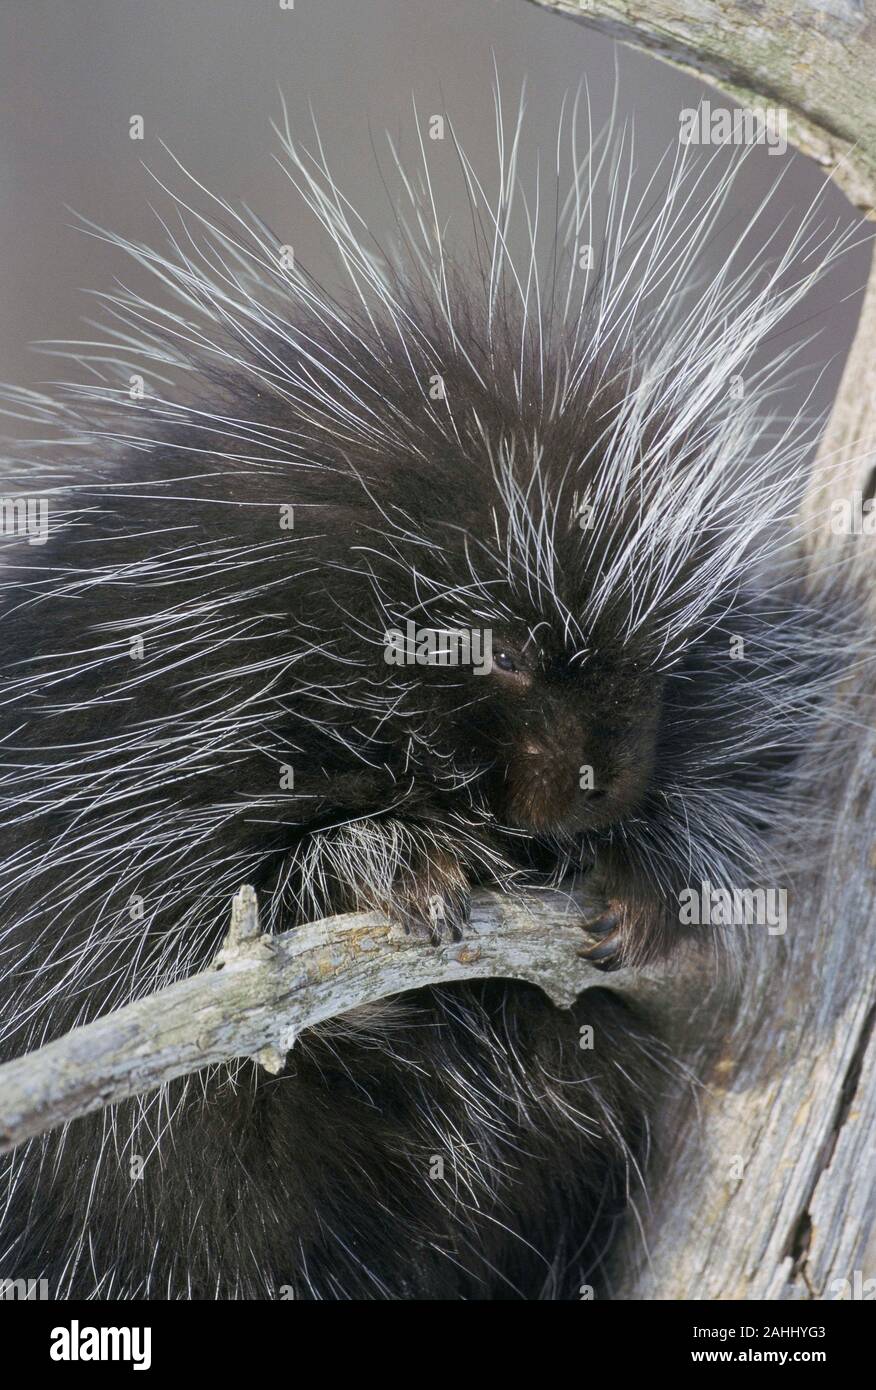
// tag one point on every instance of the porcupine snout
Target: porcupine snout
(577, 774)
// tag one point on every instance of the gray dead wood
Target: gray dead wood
(262, 990)
(815, 59)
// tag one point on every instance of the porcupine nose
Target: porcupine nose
(548, 788)
(587, 793)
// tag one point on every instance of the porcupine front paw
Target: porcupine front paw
(635, 927)
(603, 925)
(432, 903)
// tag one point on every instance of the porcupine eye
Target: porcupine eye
(512, 669)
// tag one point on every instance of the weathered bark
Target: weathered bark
(787, 1070)
(262, 990)
(763, 1188)
(814, 58)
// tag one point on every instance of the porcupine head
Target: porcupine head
(555, 592)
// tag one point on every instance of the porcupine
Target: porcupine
(509, 443)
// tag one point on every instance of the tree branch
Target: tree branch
(262, 990)
(816, 60)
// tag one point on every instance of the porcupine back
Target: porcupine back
(440, 438)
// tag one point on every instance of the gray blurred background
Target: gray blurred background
(205, 75)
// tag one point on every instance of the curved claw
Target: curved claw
(605, 953)
(603, 925)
